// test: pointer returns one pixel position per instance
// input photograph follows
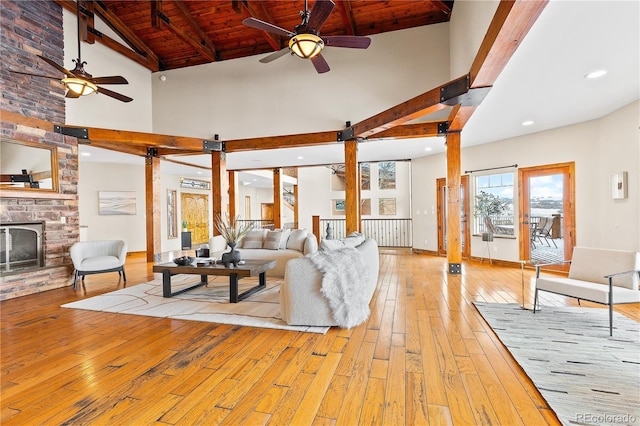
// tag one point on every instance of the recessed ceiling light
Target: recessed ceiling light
(428, 148)
(246, 183)
(86, 154)
(199, 173)
(527, 123)
(300, 157)
(595, 74)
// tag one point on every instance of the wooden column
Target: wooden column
(152, 205)
(454, 246)
(295, 206)
(219, 185)
(232, 195)
(277, 199)
(352, 193)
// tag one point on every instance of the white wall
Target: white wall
(99, 110)
(95, 177)
(243, 98)
(315, 194)
(467, 27)
(597, 147)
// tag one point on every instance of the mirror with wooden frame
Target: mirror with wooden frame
(28, 166)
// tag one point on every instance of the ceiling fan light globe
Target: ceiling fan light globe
(79, 86)
(306, 46)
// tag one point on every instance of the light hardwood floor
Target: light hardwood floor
(425, 356)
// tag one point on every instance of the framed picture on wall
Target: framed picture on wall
(387, 206)
(337, 207)
(116, 202)
(172, 214)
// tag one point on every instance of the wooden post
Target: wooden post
(232, 194)
(152, 205)
(315, 226)
(352, 198)
(219, 185)
(295, 206)
(277, 199)
(454, 246)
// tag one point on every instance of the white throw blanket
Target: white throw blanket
(344, 278)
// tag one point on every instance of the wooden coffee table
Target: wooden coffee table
(251, 268)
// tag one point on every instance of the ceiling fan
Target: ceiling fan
(78, 81)
(305, 41)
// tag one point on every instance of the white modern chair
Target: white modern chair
(96, 257)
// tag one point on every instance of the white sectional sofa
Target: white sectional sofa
(602, 276)
(280, 245)
(301, 299)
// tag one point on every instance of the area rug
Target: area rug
(585, 376)
(208, 304)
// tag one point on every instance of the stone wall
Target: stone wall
(28, 29)
(31, 28)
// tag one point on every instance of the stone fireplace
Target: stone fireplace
(21, 246)
(29, 109)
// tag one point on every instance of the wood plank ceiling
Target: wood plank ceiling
(171, 34)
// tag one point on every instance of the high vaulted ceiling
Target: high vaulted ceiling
(170, 34)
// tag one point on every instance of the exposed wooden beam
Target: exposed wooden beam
(346, 13)
(409, 131)
(277, 198)
(184, 163)
(442, 6)
(285, 141)
(419, 106)
(510, 24)
(86, 21)
(137, 50)
(204, 45)
(256, 9)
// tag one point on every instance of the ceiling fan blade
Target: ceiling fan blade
(320, 63)
(56, 66)
(275, 55)
(319, 14)
(265, 26)
(114, 95)
(35, 75)
(353, 42)
(71, 94)
(115, 79)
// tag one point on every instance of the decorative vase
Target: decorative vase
(232, 257)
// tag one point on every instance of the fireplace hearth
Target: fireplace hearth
(21, 246)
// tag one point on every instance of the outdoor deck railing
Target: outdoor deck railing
(386, 232)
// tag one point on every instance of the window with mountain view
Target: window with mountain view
(500, 188)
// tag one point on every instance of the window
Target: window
(387, 175)
(496, 190)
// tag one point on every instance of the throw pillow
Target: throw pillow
(272, 240)
(285, 237)
(328, 245)
(296, 239)
(310, 246)
(253, 240)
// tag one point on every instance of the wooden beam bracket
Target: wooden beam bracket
(455, 268)
(346, 134)
(451, 92)
(152, 152)
(76, 132)
(443, 128)
(213, 146)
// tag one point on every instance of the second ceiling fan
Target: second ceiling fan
(305, 41)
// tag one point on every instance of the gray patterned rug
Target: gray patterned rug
(585, 376)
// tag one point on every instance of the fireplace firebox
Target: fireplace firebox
(21, 246)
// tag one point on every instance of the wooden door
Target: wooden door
(247, 207)
(266, 212)
(195, 211)
(465, 239)
(547, 193)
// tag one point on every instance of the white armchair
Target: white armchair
(96, 257)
